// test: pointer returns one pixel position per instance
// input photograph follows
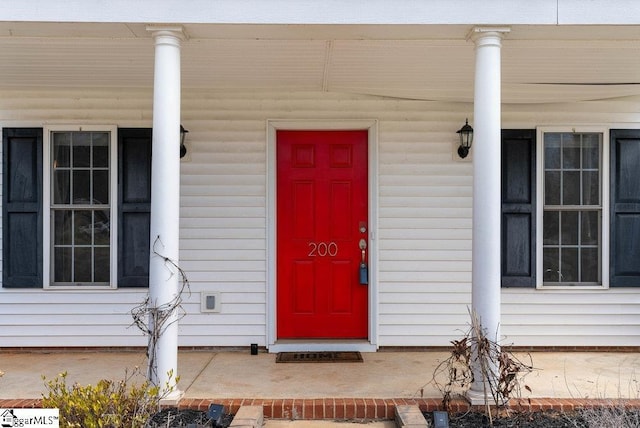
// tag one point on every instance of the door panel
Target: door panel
(321, 206)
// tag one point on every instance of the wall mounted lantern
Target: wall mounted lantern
(466, 139)
(183, 136)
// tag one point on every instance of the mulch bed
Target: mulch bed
(548, 419)
(176, 418)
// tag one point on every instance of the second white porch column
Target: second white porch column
(486, 191)
(164, 281)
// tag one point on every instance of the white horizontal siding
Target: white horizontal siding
(69, 318)
(423, 231)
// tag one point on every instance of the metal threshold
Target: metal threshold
(322, 345)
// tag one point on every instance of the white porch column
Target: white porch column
(486, 190)
(164, 281)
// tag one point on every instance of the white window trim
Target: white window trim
(46, 204)
(605, 205)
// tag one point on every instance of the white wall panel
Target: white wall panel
(424, 224)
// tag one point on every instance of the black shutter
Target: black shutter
(518, 208)
(22, 208)
(625, 208)
(134, 206)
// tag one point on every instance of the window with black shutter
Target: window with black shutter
(570, 187)
(80, 205)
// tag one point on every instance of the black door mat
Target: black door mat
(319, 357)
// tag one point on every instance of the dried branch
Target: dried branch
(153, 319)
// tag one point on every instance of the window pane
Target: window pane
(591, 188)
(62, 224)
(569, 222)
(550, 265)
(100, 149)
(100, 187)
(62, 264)
(590, 233)
(552, 188)
(82, 227)
(571, 188)
(569, 265)
(570, 151)
(552, 151)
(81, 186)
(101, 264)
(589, 265)
(551, 228)
(61, 187)
(81, 149)
(82, 264)
(101, 227)
(61, 149)
(81, 237)
(591, 151)
(571, 236)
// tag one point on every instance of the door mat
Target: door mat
(319, 357)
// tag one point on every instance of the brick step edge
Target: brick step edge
(364, 408)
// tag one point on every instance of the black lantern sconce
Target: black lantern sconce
(183, 136)
(466, 139)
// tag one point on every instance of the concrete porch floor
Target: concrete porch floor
(321, 390)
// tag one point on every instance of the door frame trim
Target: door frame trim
(371, 126)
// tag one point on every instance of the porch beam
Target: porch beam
(164, 278)
(485, 300)
(398, 12)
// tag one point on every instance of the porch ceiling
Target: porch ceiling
(422, 62)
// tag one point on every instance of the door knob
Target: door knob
(364, 269)
(363, 244)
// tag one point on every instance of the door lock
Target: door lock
(364, 269)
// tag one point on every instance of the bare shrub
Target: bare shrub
(502, 373)
(614, 416)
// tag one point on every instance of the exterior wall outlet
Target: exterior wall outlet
(209, 301)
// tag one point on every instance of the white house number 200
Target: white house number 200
(323, 249)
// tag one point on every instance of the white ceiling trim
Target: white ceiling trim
(284, 11)
(486, 12)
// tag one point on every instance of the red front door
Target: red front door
(321, 220)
